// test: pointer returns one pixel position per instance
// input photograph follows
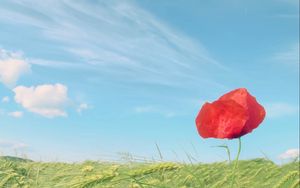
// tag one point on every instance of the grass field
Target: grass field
(256, 173)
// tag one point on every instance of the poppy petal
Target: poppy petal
(233, 115)
(255, 110)
(221, 119)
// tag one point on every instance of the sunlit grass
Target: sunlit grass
(256, 173)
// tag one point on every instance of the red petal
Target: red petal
(256, 115)
(255, 111)
(221, 119)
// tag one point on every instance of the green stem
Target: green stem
(228, 153)
(238, 154)
(236, 161)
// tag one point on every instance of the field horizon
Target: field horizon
(259, 172)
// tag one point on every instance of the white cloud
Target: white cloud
(81, 107)
(118, 38)
(290, 154)
(16, 114)
(154, 110)
(280, 109)
(45, 100)
(5, 99)
(58, 64)
(12, 66)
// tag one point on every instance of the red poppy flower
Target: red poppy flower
(233, 115)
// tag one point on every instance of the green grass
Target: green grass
(257, 173)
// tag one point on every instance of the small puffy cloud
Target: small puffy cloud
(12, 66)
(81, 107)
(46, 100)
(16, 114)
(280, 109)
(5, 99)
(290, 154)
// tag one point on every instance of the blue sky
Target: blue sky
(93, 79)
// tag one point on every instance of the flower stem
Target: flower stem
(238, 154)
(236, 162)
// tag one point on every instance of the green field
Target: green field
(16, 172)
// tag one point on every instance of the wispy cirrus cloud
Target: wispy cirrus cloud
(116, 37)
(290, 56)
(151, 109)
(281, 109)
